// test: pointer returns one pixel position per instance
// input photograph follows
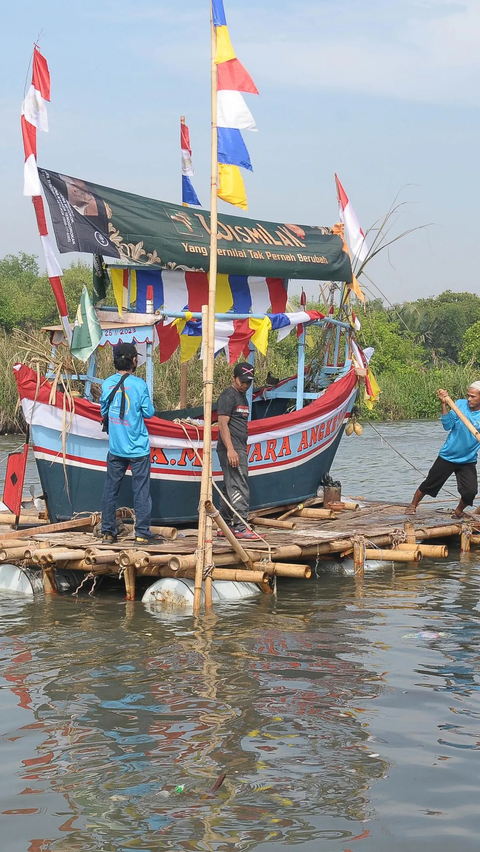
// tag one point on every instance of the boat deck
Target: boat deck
(373, 531)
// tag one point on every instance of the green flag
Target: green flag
(100, 278)
(87, 333)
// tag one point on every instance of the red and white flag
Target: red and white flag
(353, 232)
(34, 117)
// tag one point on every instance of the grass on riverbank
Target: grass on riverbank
(406, 394)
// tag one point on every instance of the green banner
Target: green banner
(96, 219)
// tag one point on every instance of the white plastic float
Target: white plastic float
(345, 566)
(20, 581)
(173, 593)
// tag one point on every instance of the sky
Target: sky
(384, 92)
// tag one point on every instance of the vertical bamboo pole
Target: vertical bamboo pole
(183, 385)
(208, 334)
(465, 538)
(358, 555)
(183, 367)
(410, 532)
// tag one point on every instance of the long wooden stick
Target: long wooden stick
(208, 335)
(466, 422)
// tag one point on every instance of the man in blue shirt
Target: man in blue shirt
(458, 454)
(125, 404)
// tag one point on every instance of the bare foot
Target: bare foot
(460, 515)
(411, 510)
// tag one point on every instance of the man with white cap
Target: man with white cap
(458, 454)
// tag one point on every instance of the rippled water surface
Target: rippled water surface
(345, 714)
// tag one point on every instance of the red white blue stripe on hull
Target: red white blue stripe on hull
(288, 455)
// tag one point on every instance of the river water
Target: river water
(345, 714)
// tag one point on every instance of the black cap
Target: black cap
(244, 372)
(125, 350)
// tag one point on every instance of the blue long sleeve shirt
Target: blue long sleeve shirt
(461, 447)
(128, 437)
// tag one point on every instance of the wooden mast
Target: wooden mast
(204, 545)
(183, 367)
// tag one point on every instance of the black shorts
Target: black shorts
(441, 470)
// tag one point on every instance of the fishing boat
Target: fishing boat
(183, 275)
(294, 430)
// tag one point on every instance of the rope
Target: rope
(89, 576)
(382, 438)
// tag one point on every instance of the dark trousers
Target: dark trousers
(142, 502)
(441, 470)
(235, 488)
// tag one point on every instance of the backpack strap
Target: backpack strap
(111, 397)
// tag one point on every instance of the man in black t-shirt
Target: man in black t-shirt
(232, 410)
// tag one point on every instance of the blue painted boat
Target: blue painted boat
(289, 453)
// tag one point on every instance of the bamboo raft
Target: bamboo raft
(292, 538)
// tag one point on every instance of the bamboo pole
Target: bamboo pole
(21, 551)
(129, 576)
(439, 532)
(436, 551)
(359, 555)
(10, 543)
(171, 533)
(315, 514)
(465, 536)
(466, 422)
(183, 385)
(393, 555)
(8, 518)
(236, 574)
(164, 558)
(208, 335)
(132, 557)
(63, 526)
(220, 523)
(410, 534)
(283, 569)
(44, 557)
(48, 575)
(292, 508)
(273, 522)
(100, 557)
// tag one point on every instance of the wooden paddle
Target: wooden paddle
(461, 416)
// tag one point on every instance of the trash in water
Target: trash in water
(424, 634)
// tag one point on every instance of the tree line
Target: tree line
(419, 345)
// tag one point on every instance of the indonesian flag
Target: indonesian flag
(355, 236)
(189, 196)
(34, 116)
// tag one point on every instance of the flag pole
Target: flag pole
(183, 367)
(204, 545)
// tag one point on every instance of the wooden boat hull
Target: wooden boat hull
(288, 455)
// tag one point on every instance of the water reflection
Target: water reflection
(345, 715)
(127, 712)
